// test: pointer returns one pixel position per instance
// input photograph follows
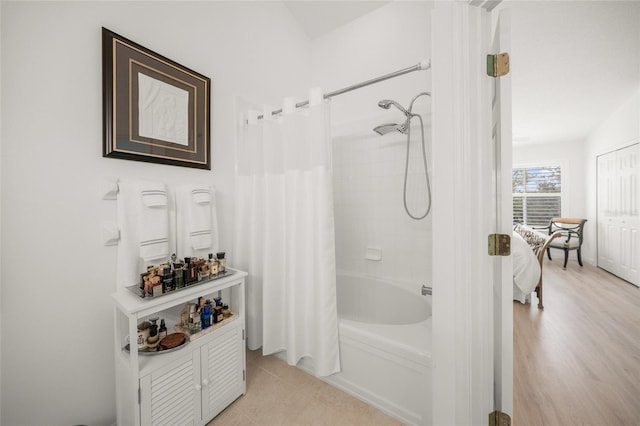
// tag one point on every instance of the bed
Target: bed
(527, 249)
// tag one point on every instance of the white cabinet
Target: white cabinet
(618, 214)
(189, 385)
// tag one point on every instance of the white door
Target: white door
(628, 222)
(607, 212)
(618, 215)
(503, 266)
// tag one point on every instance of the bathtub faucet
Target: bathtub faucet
(427, 290)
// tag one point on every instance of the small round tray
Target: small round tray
(158, 350)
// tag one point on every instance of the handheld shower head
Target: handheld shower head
(403, 128)
(386, 104)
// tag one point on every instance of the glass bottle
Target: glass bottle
(153, 339)
(223, 262)
(214, 266)
(162, 331)
(205, 316)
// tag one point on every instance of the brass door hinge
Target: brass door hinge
(499, 245)
(498, 418)
(498, 65)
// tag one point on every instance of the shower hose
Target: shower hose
(426, 170)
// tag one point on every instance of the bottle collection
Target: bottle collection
(195, 318)
(176, 274)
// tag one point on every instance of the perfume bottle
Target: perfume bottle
(184, 315)
(214, 266)
(223, 262)
(143, 334)
(162, 331)
(218, 316)
(153, 339)
(205, 316)
(192, 275)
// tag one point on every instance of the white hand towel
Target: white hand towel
(200, 215)
(128, 247)
(197, 221)
(143, 223)
(153, 221)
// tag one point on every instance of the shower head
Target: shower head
(386, 104)
(383, 129)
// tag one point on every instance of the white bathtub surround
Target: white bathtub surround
(196, 220)
(373, 253)
(374, 235)
(143, 220)
(385, 346)
(285, 233)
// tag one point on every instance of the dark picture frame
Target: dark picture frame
(154, 109)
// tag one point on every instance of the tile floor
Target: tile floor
(278, 394)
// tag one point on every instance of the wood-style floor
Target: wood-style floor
(578, 361)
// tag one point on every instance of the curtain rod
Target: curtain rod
(422, 65)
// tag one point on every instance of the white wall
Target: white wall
(57, 277)
(620, 129)
(368, 169)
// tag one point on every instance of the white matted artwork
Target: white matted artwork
(154, 109)
(163, 111)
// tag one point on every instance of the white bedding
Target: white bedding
(526, 270)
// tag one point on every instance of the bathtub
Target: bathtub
(385, 346)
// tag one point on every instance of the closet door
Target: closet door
(628, 218)
(607, 212)
(618, 213)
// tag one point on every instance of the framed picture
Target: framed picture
(155, 109)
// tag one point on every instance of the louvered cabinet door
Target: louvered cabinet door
(222, 370)
(171, 395)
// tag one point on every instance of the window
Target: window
(537, 194)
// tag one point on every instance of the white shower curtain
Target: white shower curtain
(284, 233)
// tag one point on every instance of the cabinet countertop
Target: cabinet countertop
(130, 303)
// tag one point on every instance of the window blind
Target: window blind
(537, 194)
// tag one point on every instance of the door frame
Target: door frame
(466, 192)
